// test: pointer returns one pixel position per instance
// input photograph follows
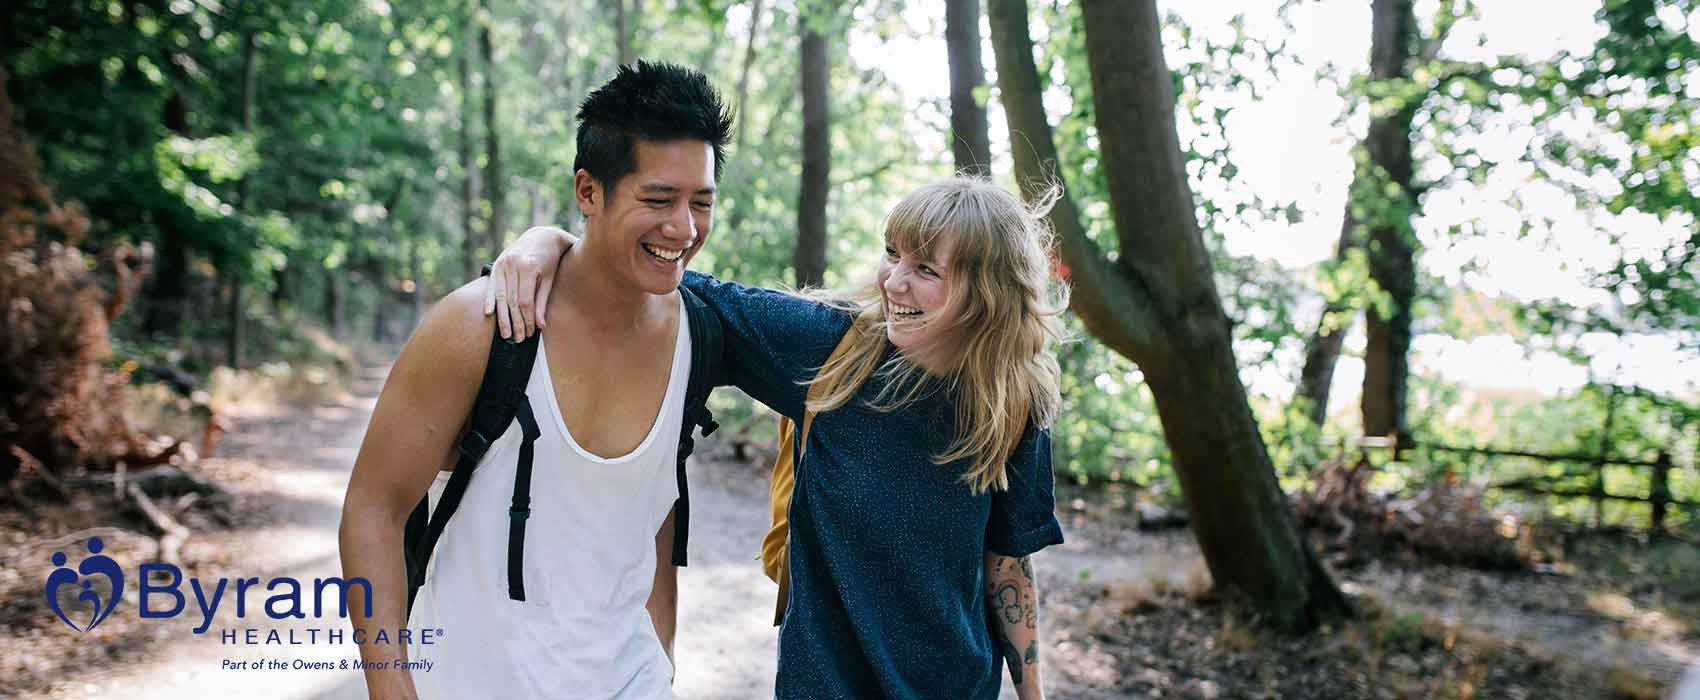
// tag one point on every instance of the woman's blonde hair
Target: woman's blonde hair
(1000, 366)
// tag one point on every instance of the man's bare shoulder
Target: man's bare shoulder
(452, 343)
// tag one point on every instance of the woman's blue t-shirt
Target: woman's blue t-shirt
(887, 548)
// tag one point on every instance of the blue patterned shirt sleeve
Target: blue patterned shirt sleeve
(774, 341)
(1024, 517)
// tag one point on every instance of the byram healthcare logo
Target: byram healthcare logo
(162, 591)
(96, 564)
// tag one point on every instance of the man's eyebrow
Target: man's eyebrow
(662, 188)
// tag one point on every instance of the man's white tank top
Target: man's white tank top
(582, 631)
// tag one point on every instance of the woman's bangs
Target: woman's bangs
(919, 223)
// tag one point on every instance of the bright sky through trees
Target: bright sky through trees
(1292, 145)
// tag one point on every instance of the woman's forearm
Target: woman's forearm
(522, 276)
(1013, 597)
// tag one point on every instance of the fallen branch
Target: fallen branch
(162, 457)
(171, 542)
(28, 464)
(163, 480)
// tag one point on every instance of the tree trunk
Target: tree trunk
(380, 281)
(810, 258)
(416, 270)
(1322, 350)
(744, 76)
(167, 291)
(469, 166)
(969, 141)
(494, 185)
(244, 197)
(622, 33)
(168, 309)
(634, 29)
(739, 207)
(1392, 252)
(334, 310)
(1159, 306)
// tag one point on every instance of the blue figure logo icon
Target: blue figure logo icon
(95, 564)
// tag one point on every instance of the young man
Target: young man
(607, 392)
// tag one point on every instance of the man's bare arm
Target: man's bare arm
(663, 604)
(419, 415)
(1013, 597)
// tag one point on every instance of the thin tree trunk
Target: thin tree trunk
(1322, 350)
(244, 196)
(622, 33)
(634, 29)
(416, 270)
(1163, 284)
(741, 207)
(469, 166)
(744, 76)
(816, 73)
(167, 310)
(380, 311)
(1392, 263)
(494, 184)
(969, 140)
(334, 310)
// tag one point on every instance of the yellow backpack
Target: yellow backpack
(775, 547)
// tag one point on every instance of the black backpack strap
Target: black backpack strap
(501, 393)
(707, 339)
(521, 508)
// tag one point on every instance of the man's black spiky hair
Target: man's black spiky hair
(653, 102)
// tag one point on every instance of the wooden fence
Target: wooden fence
(1589, 465)
(1659, 495)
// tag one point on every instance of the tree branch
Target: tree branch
(1112, 307)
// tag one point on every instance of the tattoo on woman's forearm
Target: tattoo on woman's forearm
(1011, 600)
(1006, 602)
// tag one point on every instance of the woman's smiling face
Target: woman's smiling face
(916, 294)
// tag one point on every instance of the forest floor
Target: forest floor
(1127, 613)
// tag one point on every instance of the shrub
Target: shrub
(57, 399)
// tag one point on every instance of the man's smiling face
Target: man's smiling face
(655, 219)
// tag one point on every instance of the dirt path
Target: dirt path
(300, 461)
(1102, 641)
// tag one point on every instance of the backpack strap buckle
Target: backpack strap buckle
(474, 445)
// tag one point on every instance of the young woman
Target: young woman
(926, 482)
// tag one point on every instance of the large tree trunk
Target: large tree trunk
(1392, 251)
(468, 165)
(969, 141)
(1322, 350)
(1159, 307)
(810, 258)
(494, 186)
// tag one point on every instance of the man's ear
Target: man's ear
(589, 193)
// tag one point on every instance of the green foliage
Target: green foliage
(1107, 429)
(1642, 426)
(345, 195)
